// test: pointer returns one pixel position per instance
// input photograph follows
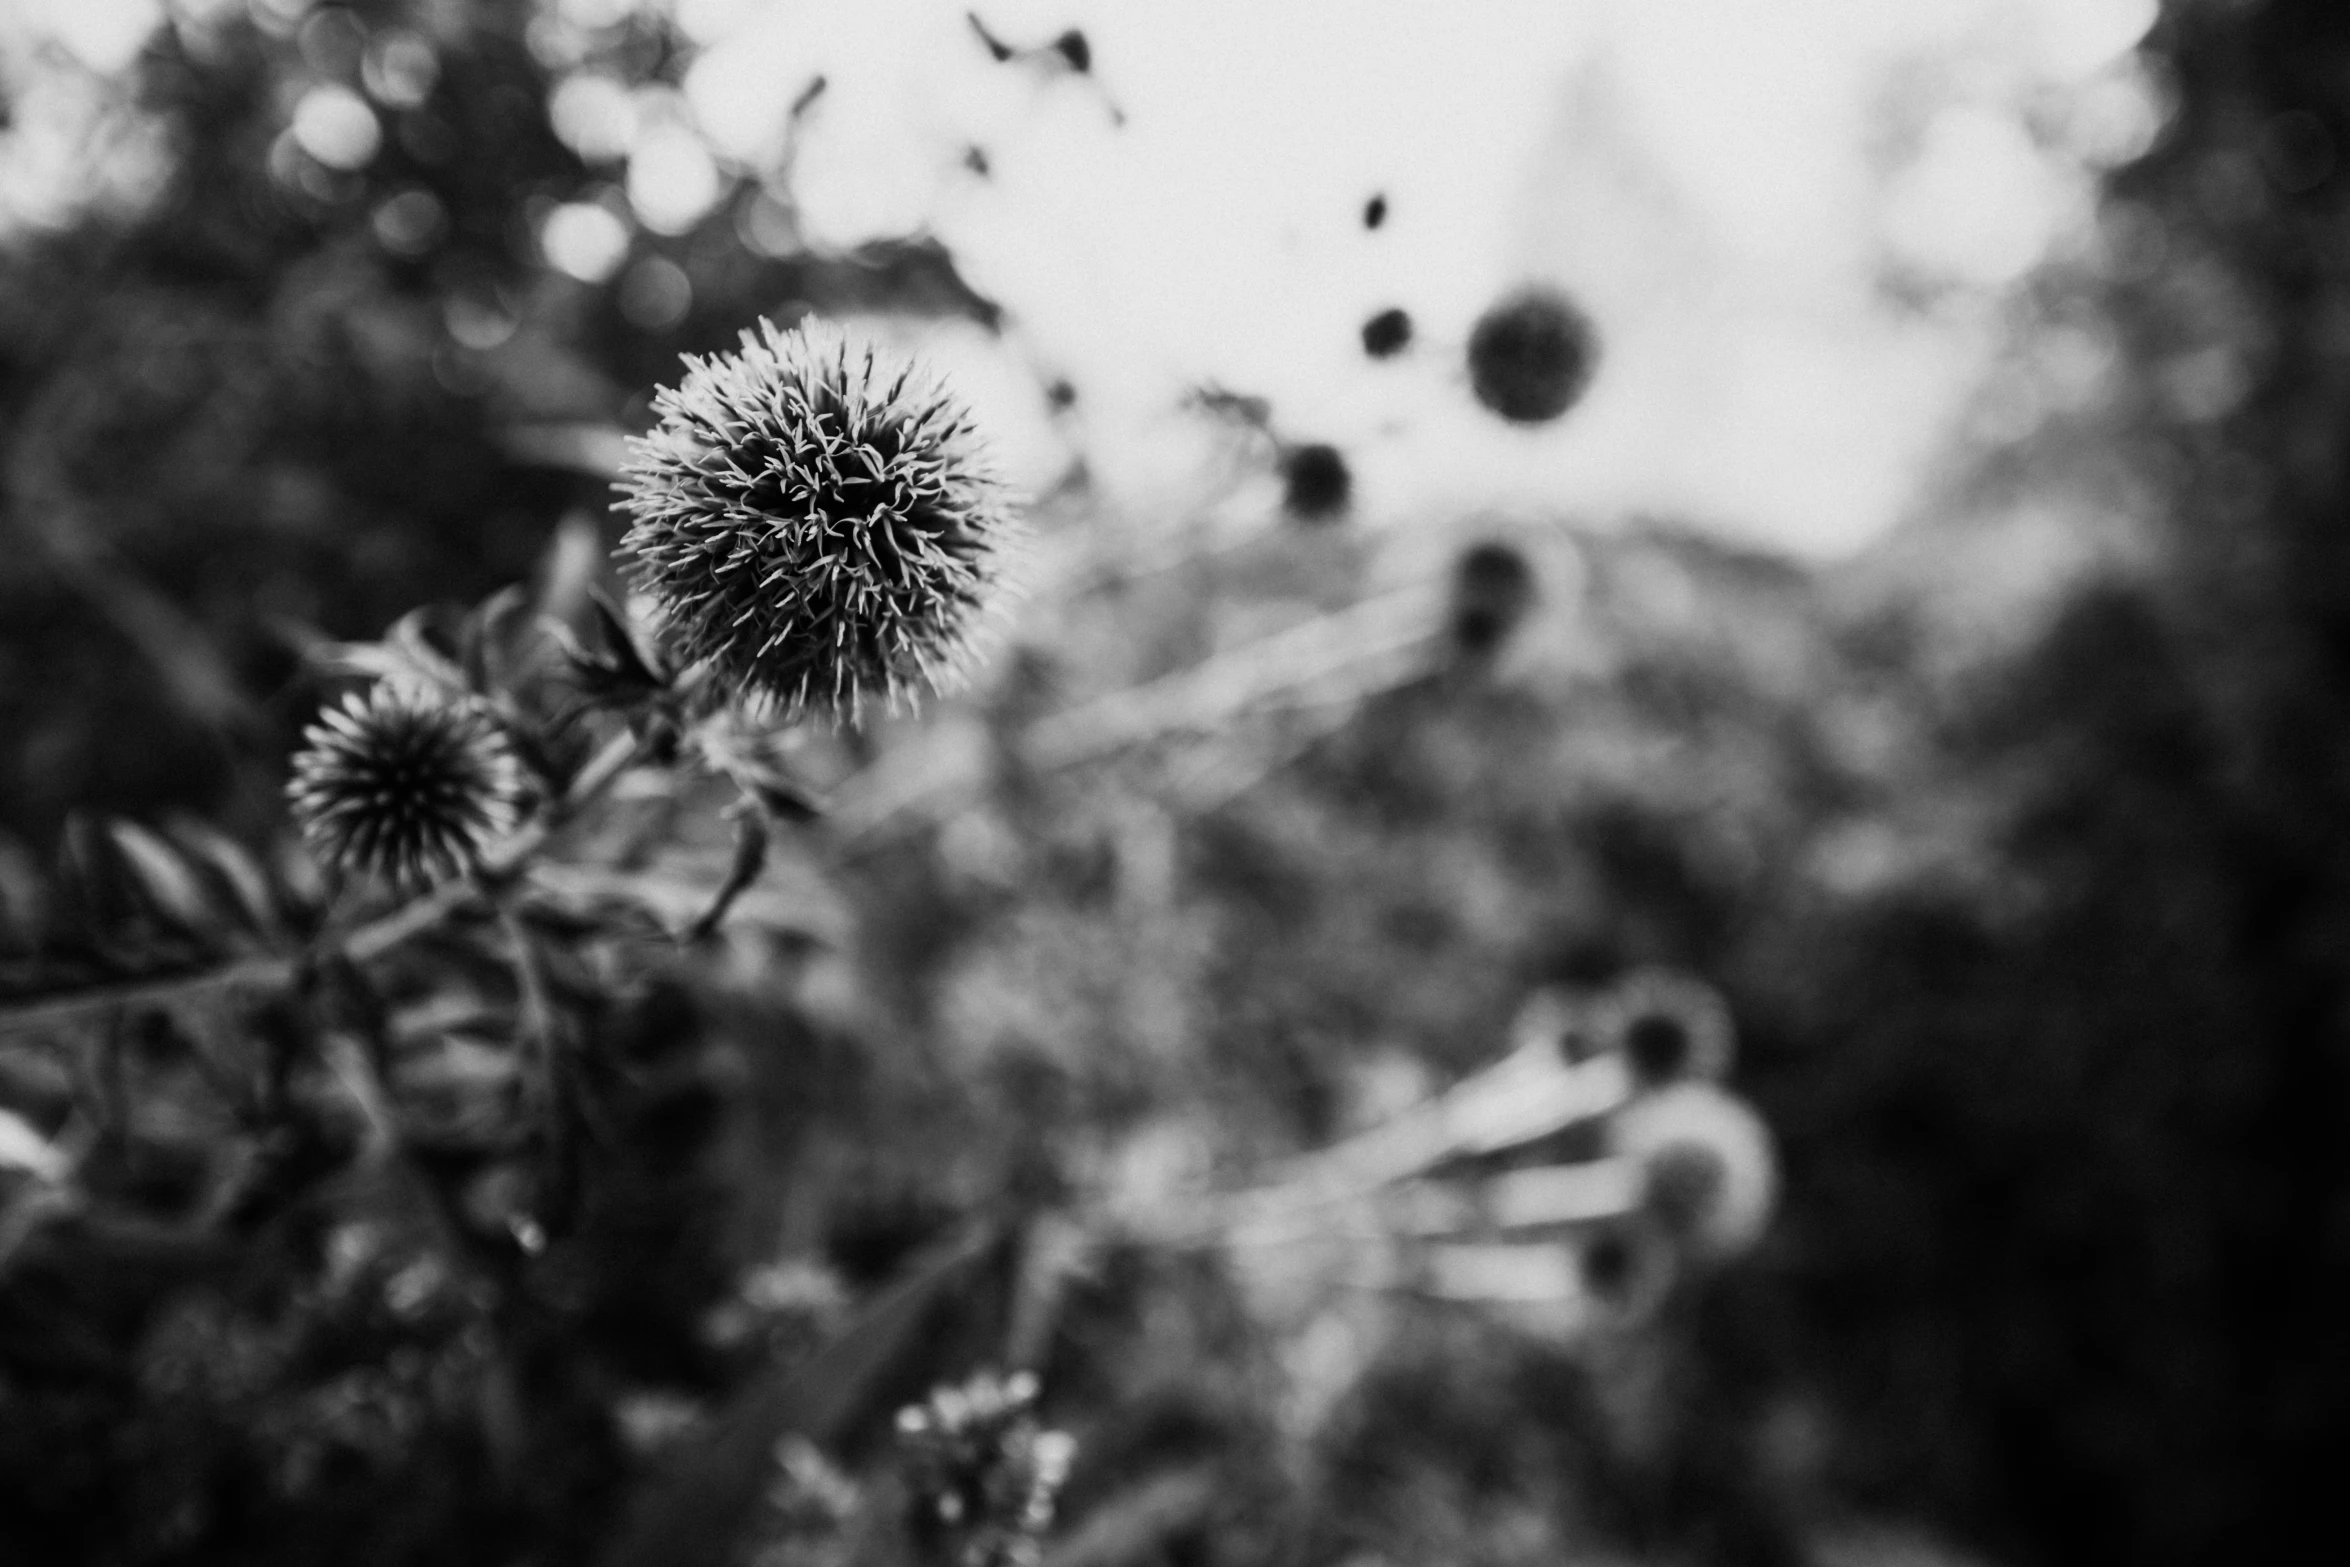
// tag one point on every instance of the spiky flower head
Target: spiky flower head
(404, 784)
(1531, 355)
(814, 520)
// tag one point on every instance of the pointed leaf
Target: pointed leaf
(750, 857)
(634, 660)
(169, 885)
(238, 874)
(484, 640)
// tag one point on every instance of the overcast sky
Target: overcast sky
(1726, 185)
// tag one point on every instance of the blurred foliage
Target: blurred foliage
(2034, 941)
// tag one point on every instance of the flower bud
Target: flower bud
(1531, 356)
(404, 785)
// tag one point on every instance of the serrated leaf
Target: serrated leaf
(406, 642)
(631, 661)
(484, 638)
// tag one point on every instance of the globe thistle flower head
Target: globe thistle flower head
(1531, 356)
(404, 785)
(814, 521)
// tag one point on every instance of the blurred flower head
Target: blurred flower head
(1625, 1268)
(981, 1473)
(1492, 590)
(1531, 356)
(1709, 1177)
(1387, 334)
(1316, 485)
(814, 520)
(404, 784)
(1670, 1026)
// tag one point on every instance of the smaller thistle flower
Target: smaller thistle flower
(814, 521)
(403, 785)
(1531, 356)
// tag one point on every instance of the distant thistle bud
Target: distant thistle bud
(1531, 356)
(814, 520)
(1492, 591)
(404, 785)
(1670, 1026)
(1387, 334)
(1316, 484)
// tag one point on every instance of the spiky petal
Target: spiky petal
(404, 785)
(814, 520)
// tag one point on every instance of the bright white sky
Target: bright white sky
(1719, 181)
(1722, 183)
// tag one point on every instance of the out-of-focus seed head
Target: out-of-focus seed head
(404, 785)
(815, 521)
(1626, 1267)
(1558, 1023)
(1531, 356)
(1492, 589)
(1670, 1027)
(1710, 1178)
(1387, 334)
(1316, 485)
